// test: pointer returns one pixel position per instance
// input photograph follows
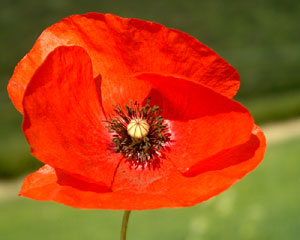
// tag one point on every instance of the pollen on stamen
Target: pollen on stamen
(139, 133)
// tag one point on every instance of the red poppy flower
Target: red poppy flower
(76, 80)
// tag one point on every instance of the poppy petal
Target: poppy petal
(127, 46)
(207, 179)
(144, 191)
(63, 118)
(210, 180)
(129, 89)
(49, 184)
(202, 122)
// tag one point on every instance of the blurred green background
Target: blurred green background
(261, 38)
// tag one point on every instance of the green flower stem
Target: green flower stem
(124, 224)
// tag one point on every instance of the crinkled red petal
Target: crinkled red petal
(209, 179)
(49, 184)
(127, 46)
(202, 122)
(150, 187)
(63, 118)
(121, 93)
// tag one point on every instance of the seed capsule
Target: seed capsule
(138, 128)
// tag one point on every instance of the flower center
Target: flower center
(139, 134)
(138, 128)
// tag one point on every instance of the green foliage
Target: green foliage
(272, 107)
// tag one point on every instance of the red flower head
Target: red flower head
(128, 114)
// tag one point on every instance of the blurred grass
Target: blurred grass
(15, 157)
(271, 107)
(262, 206)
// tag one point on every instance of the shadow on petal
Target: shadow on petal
(226, 158)
(64, 179)
(182, 100)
